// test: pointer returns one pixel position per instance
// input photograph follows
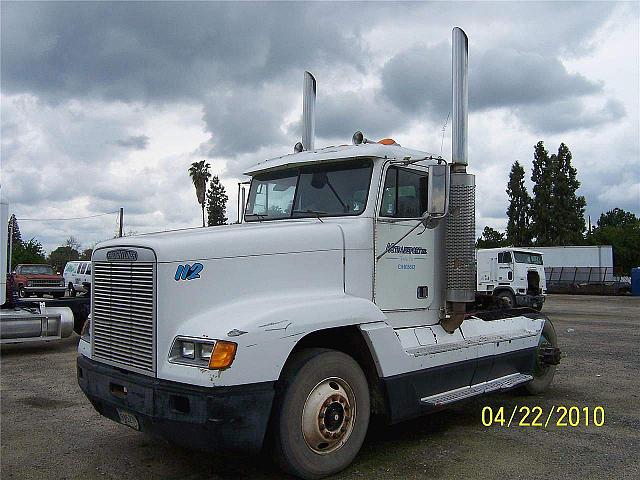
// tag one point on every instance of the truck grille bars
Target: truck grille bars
(123, 321)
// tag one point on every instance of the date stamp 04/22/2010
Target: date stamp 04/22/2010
(539, 417)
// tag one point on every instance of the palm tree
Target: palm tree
(199, 173)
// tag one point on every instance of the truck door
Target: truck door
(505, 267)
(404, 274)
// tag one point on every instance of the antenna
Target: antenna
(444, 128)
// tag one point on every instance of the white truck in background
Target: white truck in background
(342, 295)
(513, 275)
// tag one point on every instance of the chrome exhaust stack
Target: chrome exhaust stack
(308, 112)
(460, 232)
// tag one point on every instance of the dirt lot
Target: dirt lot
(49, 430)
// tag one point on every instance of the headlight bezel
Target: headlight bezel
(205, 354)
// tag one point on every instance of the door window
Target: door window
(504, 257)
(404, 194)
(82, 268)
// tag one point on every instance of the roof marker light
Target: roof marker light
(388, 141)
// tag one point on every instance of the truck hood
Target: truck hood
(239, 240)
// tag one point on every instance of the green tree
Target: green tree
(542, 220)
(14, 239)
(519, 211)
(86, 254)
(59, 257)
(491, 239)
(621, 230)
(217, 203)
(567, 206)
(14, 230)
(27, 252)
(200, 175)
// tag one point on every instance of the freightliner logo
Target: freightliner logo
(122, 255)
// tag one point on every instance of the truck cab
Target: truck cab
(514, 275)
(341, 295)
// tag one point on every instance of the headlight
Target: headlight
(213, 354)
(62, 282)
(28, 283)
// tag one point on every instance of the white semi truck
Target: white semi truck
(513, 275)
(343, 294)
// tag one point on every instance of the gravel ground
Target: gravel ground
(49, 429)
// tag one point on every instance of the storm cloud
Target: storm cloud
(106, 104)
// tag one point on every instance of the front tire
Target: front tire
(321, 413)
(22, 292)
(507, 298)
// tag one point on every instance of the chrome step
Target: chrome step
(503, 383)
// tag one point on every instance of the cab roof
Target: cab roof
(339, 152)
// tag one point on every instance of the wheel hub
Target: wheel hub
(328, 415)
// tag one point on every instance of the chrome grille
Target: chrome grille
(44, 283)
(123, 320)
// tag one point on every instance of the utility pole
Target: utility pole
(120, 229)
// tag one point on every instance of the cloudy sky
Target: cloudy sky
(105, 105)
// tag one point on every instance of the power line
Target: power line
(64, 219)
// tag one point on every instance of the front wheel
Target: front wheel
(507, 299)
(321, 413)
(22, 292)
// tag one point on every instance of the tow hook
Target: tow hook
(549, 355)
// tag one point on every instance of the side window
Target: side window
(81, 268)
(404, 194)
(88, 272)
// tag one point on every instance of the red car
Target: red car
(38, 279)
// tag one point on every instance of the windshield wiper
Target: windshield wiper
(259, 216)
(317, 213)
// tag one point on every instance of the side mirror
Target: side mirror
(438, 191)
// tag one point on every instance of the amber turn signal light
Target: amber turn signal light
(222, 355)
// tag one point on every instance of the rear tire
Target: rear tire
(321, 413)
(543, 375)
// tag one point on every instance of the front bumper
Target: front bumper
(533, 301)
(204, 418)
(45, 289)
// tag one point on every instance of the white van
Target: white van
(77, 277)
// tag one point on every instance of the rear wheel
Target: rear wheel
(321, 413)
(543, 372)
(507, 298)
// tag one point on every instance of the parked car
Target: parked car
(77, 277)
(38, 279)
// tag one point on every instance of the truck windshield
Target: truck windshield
(334, 189)
(523, 257)
(36, 270)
